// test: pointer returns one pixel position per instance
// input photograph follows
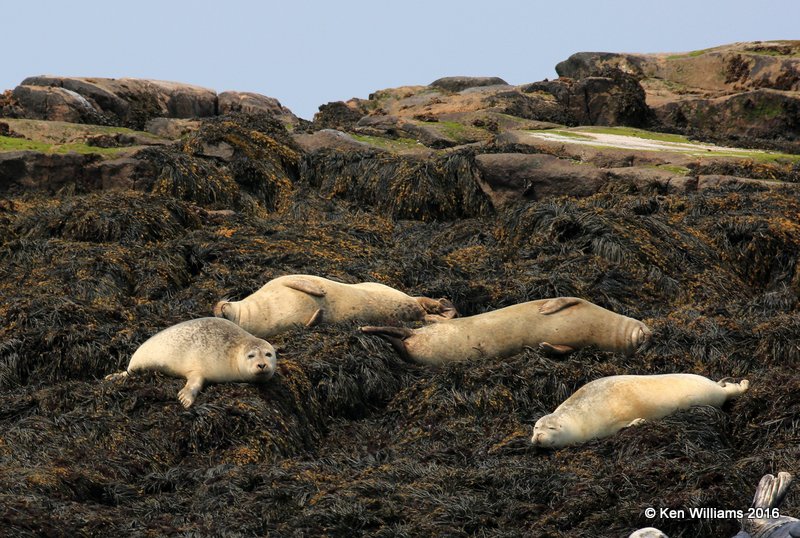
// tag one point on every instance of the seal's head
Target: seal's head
(258, 360)
(225, 309)
(549, 432)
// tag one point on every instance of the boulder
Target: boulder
(457, 84)
(615, 98)
(337, 115)
(171, 128)
(328, 139)
(56, 104)
(509, 177)
(255, 103)
(128, 102)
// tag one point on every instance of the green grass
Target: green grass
(8, 143)
(692, 54)
(20, 144)
(73, 128)
(392, 144)
(561, 132)
(638, 133)
(764, 110)
(755, 155)
(451, 129)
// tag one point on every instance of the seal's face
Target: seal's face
(548, 433)
(259, 361)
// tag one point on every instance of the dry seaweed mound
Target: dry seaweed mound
(401, 186)
(347, 439)
(238, 161)
(110, 217)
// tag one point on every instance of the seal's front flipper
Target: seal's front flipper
(551, 306)
(189, 392)
(306, 286)
(119, 376)
(393, 335)
(555, 349)
(636, 422)
(316, 318)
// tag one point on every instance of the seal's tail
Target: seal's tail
(393, 335)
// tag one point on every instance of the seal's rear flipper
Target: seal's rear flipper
(771, 491)
(316, 318)
(437, 307)
(769, 496)
(449, 310)
(551, 306)
(306, 286)
(393, 335)
(555, 349)
(734, 389)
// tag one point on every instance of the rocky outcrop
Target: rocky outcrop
(328, 139)
(748, 116)
(740, 93)
(613, 98)
(129, 102)
(255, 103)
(457, 84)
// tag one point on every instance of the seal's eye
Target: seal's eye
(251, 356)
(268, 354)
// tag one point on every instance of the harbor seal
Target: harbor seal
(293, 300)
(559, 325)
(205, 350)
(758, 521)
(604, 406)
(648, 532)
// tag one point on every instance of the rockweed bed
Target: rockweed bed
(347, 439)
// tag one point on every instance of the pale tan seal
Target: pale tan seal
(297, 300)
(205, 350)
(604, 406)
(558, 325)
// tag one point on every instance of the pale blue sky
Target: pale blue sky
(309, 53)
